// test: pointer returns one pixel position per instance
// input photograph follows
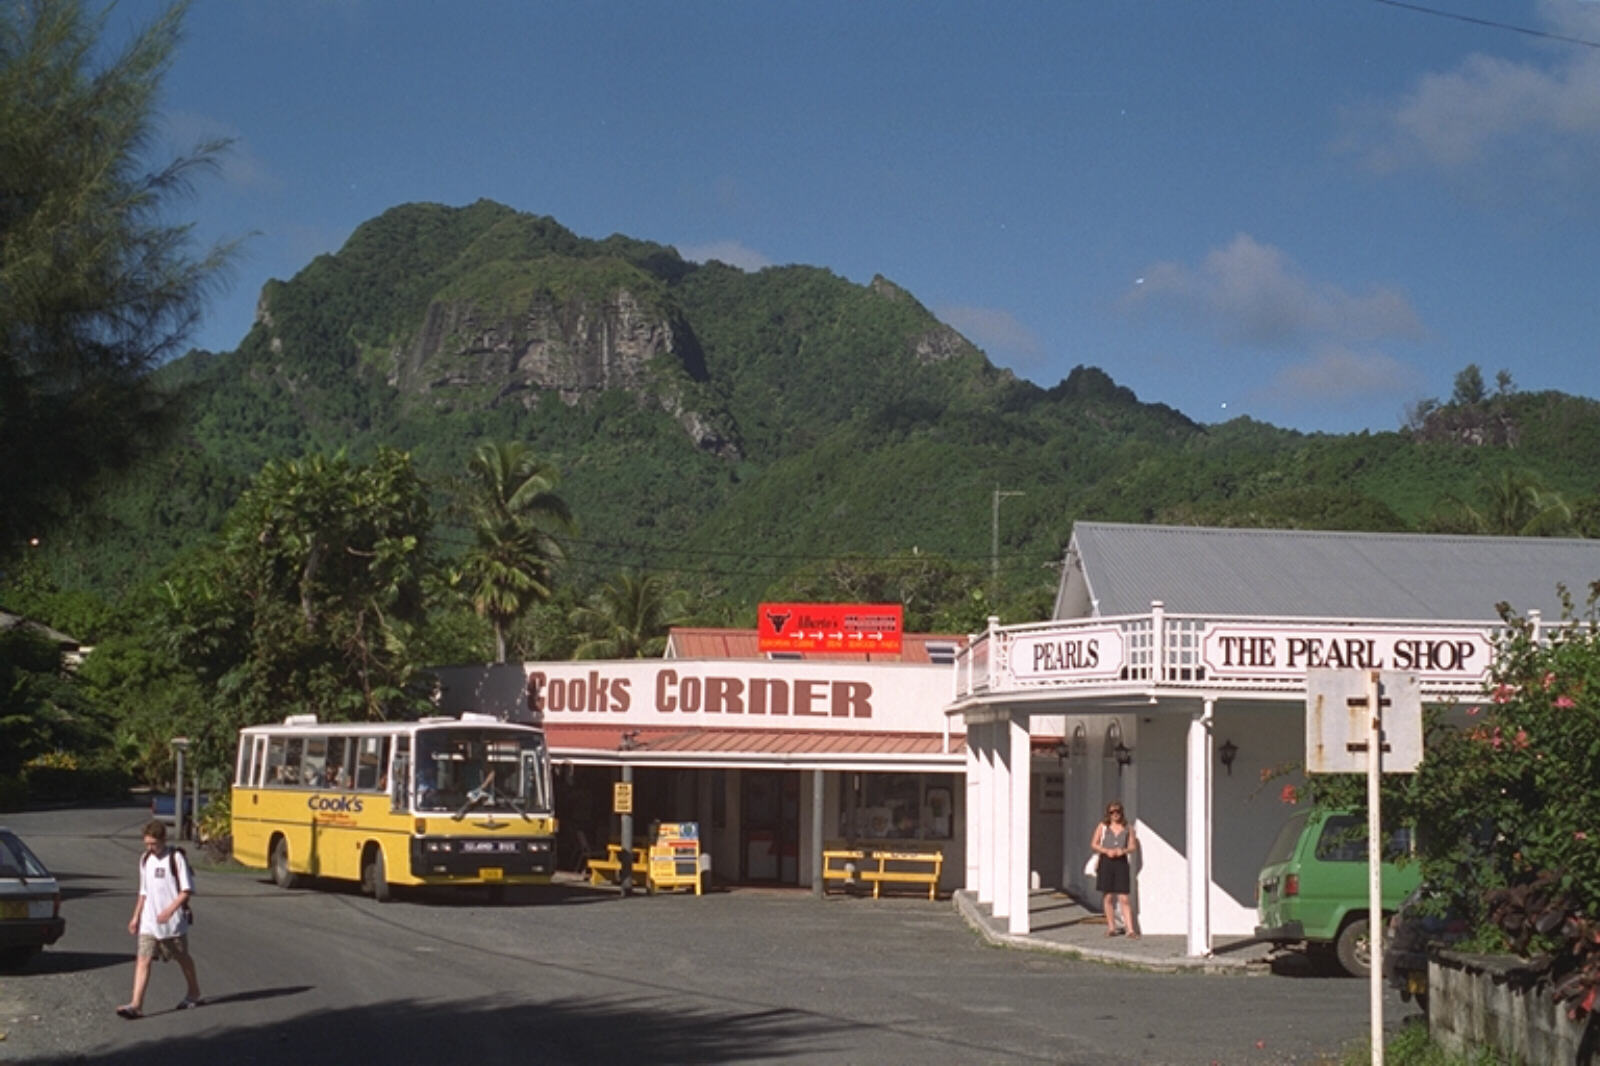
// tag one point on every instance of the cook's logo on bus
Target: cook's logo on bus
(338, 804)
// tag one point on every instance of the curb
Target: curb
(967, 906)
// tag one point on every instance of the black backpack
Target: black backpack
(172, 864)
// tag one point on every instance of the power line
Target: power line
(1491, 23)
(465, 540)
(611, 555)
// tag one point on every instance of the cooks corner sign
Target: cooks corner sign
(857, 697)
(1248, 652)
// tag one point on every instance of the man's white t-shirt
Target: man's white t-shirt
(159, 889)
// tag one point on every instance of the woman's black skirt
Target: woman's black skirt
(1113, 875)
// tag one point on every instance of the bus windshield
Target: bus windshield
(465, 769)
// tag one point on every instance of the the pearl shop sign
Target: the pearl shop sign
(1264, 652)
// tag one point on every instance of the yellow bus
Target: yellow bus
(440, 801)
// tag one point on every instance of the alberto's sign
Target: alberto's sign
(1272, 652)
(830, 627)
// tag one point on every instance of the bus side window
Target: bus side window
(370, 764)
(397, 789)
(337, 767)
(291, 760)
(276, 753)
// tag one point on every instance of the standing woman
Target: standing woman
(1113, 840)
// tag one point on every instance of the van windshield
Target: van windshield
(1283, 847)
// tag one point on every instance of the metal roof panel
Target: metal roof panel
(1309, 573)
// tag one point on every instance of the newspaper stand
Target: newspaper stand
(675, 857)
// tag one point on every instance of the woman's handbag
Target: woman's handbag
(1092, 867)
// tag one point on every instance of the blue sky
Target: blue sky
(1310, 212)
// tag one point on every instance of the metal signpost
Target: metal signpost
(179, 746)
(1366, 720)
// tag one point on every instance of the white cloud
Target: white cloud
(1537, 120)
(1249, 293)
(731, 252)
(1336, 376)
(995, 331)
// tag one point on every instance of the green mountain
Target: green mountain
(737, 428)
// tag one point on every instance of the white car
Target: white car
(30, 904)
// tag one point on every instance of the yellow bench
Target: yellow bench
(609, 869)
(906, 867)
(835, 865)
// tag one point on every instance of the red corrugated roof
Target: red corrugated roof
(688, 642)
(565, 737)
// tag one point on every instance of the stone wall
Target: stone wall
(1497, 1001)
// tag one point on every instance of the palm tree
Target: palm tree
(516, 514)
(1516, 504)
(628, 618)
(1513, 503)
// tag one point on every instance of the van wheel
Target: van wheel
(282, 876)
(1354, 948)
(375, 877)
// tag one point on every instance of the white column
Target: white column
(973, 809)
(987, 812)
(1000, 825)
(1197, 820)
(1021, 802)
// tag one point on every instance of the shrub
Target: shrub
(1508, 803)
(216, 817)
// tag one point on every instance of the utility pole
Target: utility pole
(994, 543)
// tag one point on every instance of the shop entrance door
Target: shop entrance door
(769, 826)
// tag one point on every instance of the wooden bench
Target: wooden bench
(905, 867)
(836, 866)
(608, 871)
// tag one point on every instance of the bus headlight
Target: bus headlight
(438, 846)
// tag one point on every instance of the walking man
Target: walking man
(161, 918)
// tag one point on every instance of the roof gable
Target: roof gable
(1116, 569)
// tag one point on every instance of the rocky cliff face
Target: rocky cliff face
(462, 355)
(466, 357)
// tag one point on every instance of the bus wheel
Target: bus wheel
(374, 877)
(282, 876)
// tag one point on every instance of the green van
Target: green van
(1312, 889)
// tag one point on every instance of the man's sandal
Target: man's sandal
(130, 1012)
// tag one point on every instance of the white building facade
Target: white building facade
(1171, 646)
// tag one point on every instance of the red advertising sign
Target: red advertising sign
(834, 627)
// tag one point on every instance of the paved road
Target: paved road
(572, 975)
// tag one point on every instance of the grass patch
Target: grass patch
(1412, 1046)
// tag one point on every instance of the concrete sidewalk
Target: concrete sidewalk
(1059, 923)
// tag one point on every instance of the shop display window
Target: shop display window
(899, 806)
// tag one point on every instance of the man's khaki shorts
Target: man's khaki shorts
(167, 949)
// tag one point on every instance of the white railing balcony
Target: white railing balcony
(1177, 653)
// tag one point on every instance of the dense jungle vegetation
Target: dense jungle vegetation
(788, 433)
